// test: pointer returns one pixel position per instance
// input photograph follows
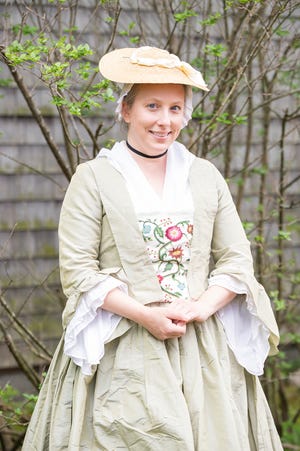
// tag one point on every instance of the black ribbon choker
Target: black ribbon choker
(141, 154)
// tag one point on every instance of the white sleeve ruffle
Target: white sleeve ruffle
(91, 326)
(247, 336)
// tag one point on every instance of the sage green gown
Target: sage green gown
(181, 394)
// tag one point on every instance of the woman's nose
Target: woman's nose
(164, 116)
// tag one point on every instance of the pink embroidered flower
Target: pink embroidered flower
(176, 252)
(160, 278)
(174, 233)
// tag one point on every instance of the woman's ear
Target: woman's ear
(125, 112)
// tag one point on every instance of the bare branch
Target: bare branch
(36, 113)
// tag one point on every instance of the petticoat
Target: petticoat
(181, 394)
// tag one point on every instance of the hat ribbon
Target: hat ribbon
(170, 63)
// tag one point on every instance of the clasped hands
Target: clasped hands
(170, 321)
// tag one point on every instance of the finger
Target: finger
(179, 323)
(180, 315)
(179, 329)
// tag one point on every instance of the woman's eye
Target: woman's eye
(176, 108)
(152, 106)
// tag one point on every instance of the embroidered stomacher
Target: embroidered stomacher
(168, 242)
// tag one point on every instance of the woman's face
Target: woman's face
(155, 117)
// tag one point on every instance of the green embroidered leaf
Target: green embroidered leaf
(159, 231)
(168, 267)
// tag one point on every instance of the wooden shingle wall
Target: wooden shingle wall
(32, 187)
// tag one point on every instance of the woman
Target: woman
(159, 351)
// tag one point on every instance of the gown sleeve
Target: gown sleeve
(246, 334)
(85, 284)
(80, 231)
(252, 307)
(91, 326)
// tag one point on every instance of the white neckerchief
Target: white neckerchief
(176, 193)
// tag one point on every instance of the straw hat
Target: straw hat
(149, 65)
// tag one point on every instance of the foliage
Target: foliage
(15, 411)
(248, 52)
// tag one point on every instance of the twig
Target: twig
(46, 176)
(23, 365)
(36, 113)
(22, 327)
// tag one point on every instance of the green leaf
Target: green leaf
(107, 95)
(18, 53)
(259, 239)
(135, 39)
(186, 14)
(279, 304)
(263, 170)
(224, 119)
(202, 115)
(54, 71)
(71, 51)
(248, 225)
(215, 49)
(58, 101)
(239, 119)
(283, 235)
(211, 20)
(127, 32)
(5, 82)
(84, 70)
(25, 29)
(281, 32)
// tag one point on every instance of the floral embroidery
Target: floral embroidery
(160, 278)
(190, 229)
(174, 233)
(168, 245)
(176, 253)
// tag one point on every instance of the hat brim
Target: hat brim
(117, 66)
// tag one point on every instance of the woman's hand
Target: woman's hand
(162, 322)
(212, 300)
(166, 321)
(194, 310)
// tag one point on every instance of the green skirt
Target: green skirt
(181, 394)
